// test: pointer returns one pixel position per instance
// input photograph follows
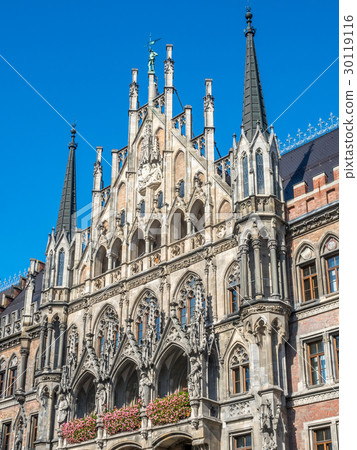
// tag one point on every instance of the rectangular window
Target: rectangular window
(243, 442)
(336, 347)
(240, 379)
(332, 273)
(12, 381)
(233, 294)
(6, 433)
(309, 282)
(322, 439)
(317, 363)
(2, 384)
(33, 432)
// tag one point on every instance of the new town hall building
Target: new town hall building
(215, 277)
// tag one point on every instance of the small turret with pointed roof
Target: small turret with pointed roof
(253, 101)
(67, 212)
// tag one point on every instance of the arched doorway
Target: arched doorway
(177, 441)
(173, 372)
(126, 390)
(85, 398)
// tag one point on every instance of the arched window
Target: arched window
(60, 269)
(178, 226)
(147, 319)
(307, 269)
(49, 270)
(2, 378)
(117, 252)
(274, 168)
(86, 398)
(12, 376)
(106, 331)
(331, 262)
(160, 200)
(137, 246)
(260, 173)
(233, 286)
(101, 261)
(239, 369)
(245, 176)
(191, 300)
(197, 215)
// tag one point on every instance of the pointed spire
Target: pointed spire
(253, 101)
(67, 217)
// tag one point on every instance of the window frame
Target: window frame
(259, 167)
(243, 434)
(6, 434)
(245, 176)
(317, 355)
(33, 431)
(336, 353)
(241, 369)
(309, 277)
(2, 383)
(334, 268)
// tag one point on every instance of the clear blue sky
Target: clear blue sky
(78, 54)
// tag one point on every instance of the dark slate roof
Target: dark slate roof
(311, 159)
(67, 212)
(253, 101)
(19, 301)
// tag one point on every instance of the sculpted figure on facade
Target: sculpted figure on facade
(194, 378)
(62, 409)
(101, 399)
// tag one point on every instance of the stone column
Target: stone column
(284, 272)
(50, 416)
(147, 244)
(274, 267)
(243, 250)
(61, 344)
(110, 260)
(48, 348)
(257, 268)
(42, 345)
(24, 352)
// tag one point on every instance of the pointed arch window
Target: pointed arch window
(108, 332)
(234, 293)
(12, 377)
(50, 270)
(245, 176)
(191, 300)
(2, 378)
(60, 270)
(239, 367)
(274, 168)
(148, 319)
(260, 173)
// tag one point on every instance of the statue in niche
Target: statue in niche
(149, 171)
(19, 436)
(62, 411)
(144, 388)
(101, 399)
(194, 378)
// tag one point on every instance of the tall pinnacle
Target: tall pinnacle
(67, 217)
(253, 101)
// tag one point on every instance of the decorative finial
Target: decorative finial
(73, 144)
(249, 16)
(152, 54)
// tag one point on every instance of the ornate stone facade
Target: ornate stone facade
(189, 278)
